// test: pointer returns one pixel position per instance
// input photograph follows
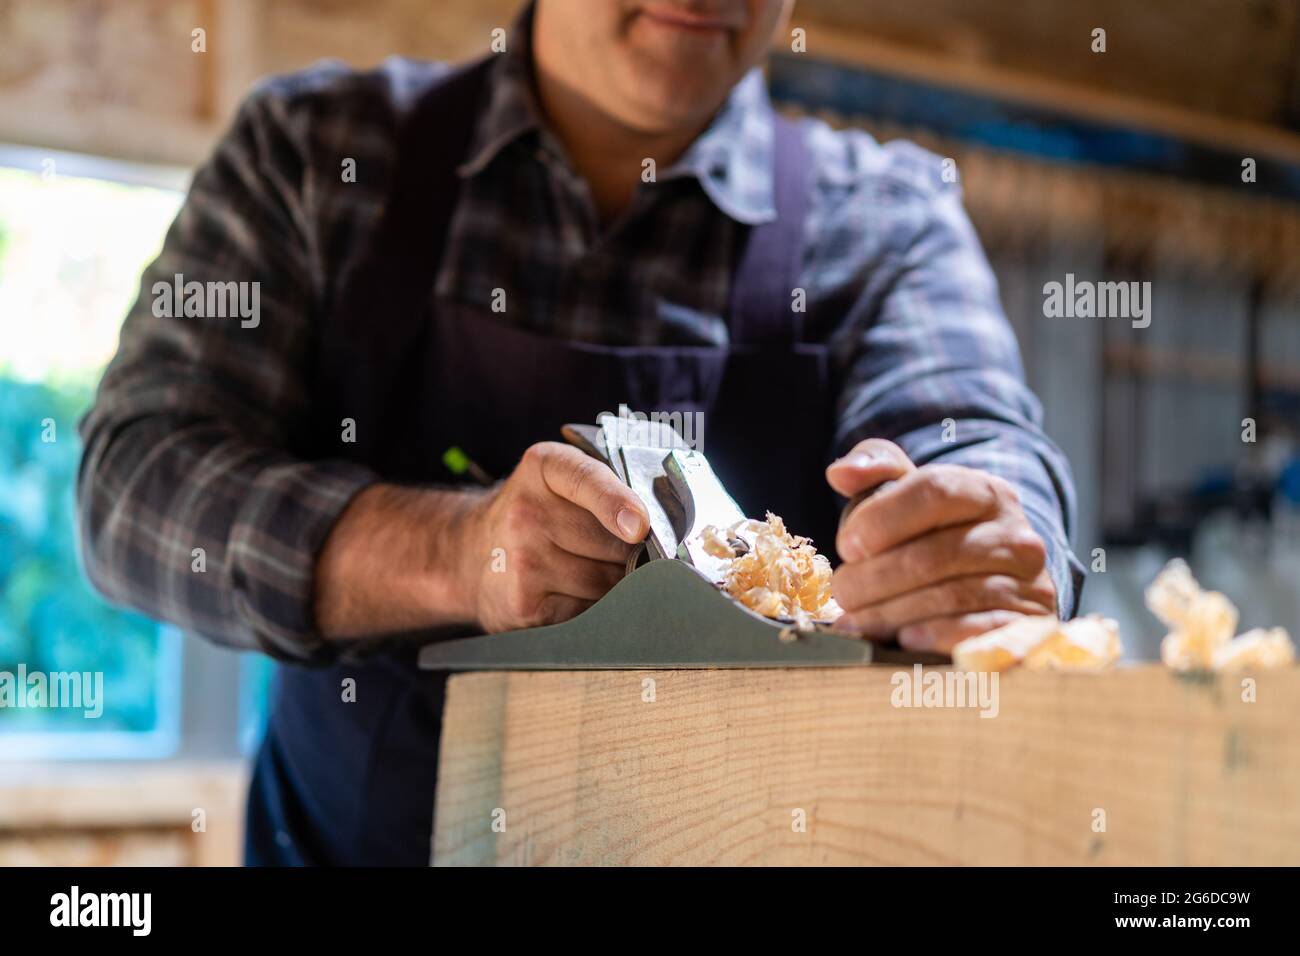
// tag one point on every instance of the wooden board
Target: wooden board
(122, 814)
(582, 770)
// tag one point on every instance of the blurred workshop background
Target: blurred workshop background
(1171, 157)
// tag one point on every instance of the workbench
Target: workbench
(817, 766)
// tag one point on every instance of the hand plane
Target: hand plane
(669, 610)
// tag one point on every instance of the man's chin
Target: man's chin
(658, 108)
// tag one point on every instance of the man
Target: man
(607, 212)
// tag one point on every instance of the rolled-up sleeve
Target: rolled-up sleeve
(191, 506)
(931, 362)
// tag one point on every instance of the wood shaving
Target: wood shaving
(1259, 649)
(1043, 642)
(772, 572)
(1201, 624)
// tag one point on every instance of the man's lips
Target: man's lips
(672, 16)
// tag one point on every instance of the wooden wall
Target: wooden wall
(118, 77)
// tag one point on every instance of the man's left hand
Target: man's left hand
(942, 554)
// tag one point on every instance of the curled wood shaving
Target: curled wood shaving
(1043, 642)
(1201, 624)
(772, 572)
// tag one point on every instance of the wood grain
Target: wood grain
(712, 771)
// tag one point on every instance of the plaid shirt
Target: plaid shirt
(187, 444)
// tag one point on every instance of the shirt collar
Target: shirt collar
(512, 109)
(731, 159)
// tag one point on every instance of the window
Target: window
(75, 234)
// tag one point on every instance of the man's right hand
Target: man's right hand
(411, 558)
(550, 540)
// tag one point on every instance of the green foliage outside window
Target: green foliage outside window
(50, 619)
(71, 253)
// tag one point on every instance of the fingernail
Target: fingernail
(859, 459)
(853, 549)
(915, 639)
(629, 522)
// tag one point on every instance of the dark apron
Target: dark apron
(353, 782)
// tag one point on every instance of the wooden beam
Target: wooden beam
(582, 769)
(1223, 57)
(1240, 137)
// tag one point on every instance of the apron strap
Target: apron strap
(771, 261)
(377, 312)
